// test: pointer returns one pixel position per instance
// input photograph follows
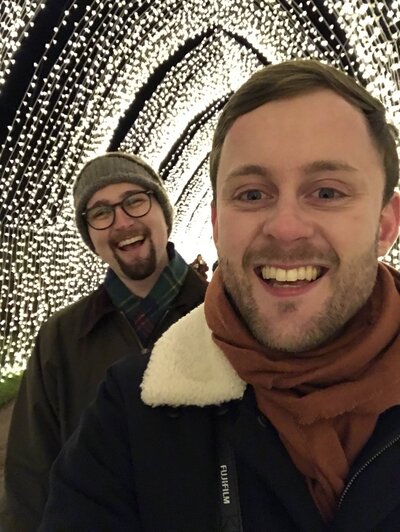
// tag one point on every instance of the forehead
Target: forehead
(292, 132)
(114, 192)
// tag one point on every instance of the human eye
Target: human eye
(328, 194)
(99, 213)
(251, 199)
(132, 199)
(252, 195)
(135, 201)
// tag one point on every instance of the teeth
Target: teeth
(280, 275)
(309, 273)
(128, 241)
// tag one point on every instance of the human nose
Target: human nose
(288, 221)
(121, 219)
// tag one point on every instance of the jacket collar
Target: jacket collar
(100, 304)
(187, 368)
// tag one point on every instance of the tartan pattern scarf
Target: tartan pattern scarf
(325, 404)
(145, 313)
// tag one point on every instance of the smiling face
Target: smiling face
(298, 219)
(134, 248)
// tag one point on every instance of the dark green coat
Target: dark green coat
(72, 352)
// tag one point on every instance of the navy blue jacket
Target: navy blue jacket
(145, 460)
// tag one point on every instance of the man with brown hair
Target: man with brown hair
(276, 405)
(124, 215)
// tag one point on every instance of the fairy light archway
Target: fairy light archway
(148, 77)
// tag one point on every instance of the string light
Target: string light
(84, 85)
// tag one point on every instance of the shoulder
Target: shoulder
(127, 373)
(119, 390)
(81, 315)
(186, 367)
(193, 289)
(93, 299)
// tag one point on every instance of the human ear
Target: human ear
(214, 221)
(389, 225)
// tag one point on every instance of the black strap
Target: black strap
(228, 490)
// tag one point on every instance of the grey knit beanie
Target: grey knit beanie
(111, 168)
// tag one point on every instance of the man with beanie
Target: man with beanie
(124, 215)
(275, 406)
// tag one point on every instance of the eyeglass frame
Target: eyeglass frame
(113, 206)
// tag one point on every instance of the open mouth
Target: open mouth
(131, 243)
(290, 277)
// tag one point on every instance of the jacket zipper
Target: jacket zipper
(364, 466)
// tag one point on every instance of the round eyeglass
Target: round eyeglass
(135, 205)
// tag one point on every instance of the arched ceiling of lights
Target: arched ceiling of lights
(84, 76)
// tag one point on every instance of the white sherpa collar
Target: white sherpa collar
(187, 368)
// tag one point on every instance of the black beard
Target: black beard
(141, 268)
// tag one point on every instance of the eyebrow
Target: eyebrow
(312, 168)
(101, 202)
(328, 166)
(250, 169)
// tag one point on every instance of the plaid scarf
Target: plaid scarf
(145, 313)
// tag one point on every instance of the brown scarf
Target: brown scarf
(324, 405)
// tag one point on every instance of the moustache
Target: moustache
(124, 234)
(300, 253)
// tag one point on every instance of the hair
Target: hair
(293, 78)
